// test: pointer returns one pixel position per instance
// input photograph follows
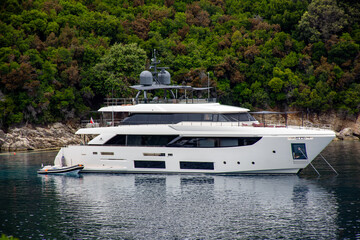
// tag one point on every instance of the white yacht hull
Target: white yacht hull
(272, 154)
(191, 138)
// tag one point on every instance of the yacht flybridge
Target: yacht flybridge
(180, 137)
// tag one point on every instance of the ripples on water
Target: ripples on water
(140, 206)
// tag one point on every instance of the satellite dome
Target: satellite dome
(164, 77)
(146, 78)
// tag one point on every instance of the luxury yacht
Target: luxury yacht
(187, 137)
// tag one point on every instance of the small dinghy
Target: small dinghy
(61, 170)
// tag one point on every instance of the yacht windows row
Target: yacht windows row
(183, 165)
(179, 141)
(173, 118)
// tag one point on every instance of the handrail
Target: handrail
(110, 123)
(125, 101)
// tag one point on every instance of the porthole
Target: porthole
(274, 151)
(238, 163)
(224, 162)
(252, 163)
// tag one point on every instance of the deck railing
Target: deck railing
(110, 123)
(126, 101)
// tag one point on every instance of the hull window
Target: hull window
(197, 165)
(299, 151)
(154, 154)
(107, 153)
(149, 164)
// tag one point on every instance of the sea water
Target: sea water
(148, 206)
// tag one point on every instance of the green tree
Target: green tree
(118, 69)
(322, 19)
(345, 50)
(59, 56)
(318, 50)
(276, 84)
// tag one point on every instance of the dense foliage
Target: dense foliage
(60, 58)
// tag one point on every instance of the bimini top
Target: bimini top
(175, 108)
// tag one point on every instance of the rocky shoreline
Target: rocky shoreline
(57, 135)
(348, 134)
(31, 137)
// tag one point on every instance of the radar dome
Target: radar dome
(146, 78)
(164, 77)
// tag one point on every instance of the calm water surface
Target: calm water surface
(140, 206)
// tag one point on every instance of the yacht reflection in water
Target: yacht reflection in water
(195, 206)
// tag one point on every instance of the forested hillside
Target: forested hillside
(60, 58)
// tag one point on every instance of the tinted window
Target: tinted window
(298, 151)
(228, 142)
(184, 142)
(244, 141)
(215, 117)
(136, 119)
(207, 117)
(149, 164)
(168, 118)
(157, 117)
(222, 118)
(206, 142)
(149, 140)
(195, 117)
(197, 165)
(135, 140)
(117, 140)
(180, 117)
(203, 142)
